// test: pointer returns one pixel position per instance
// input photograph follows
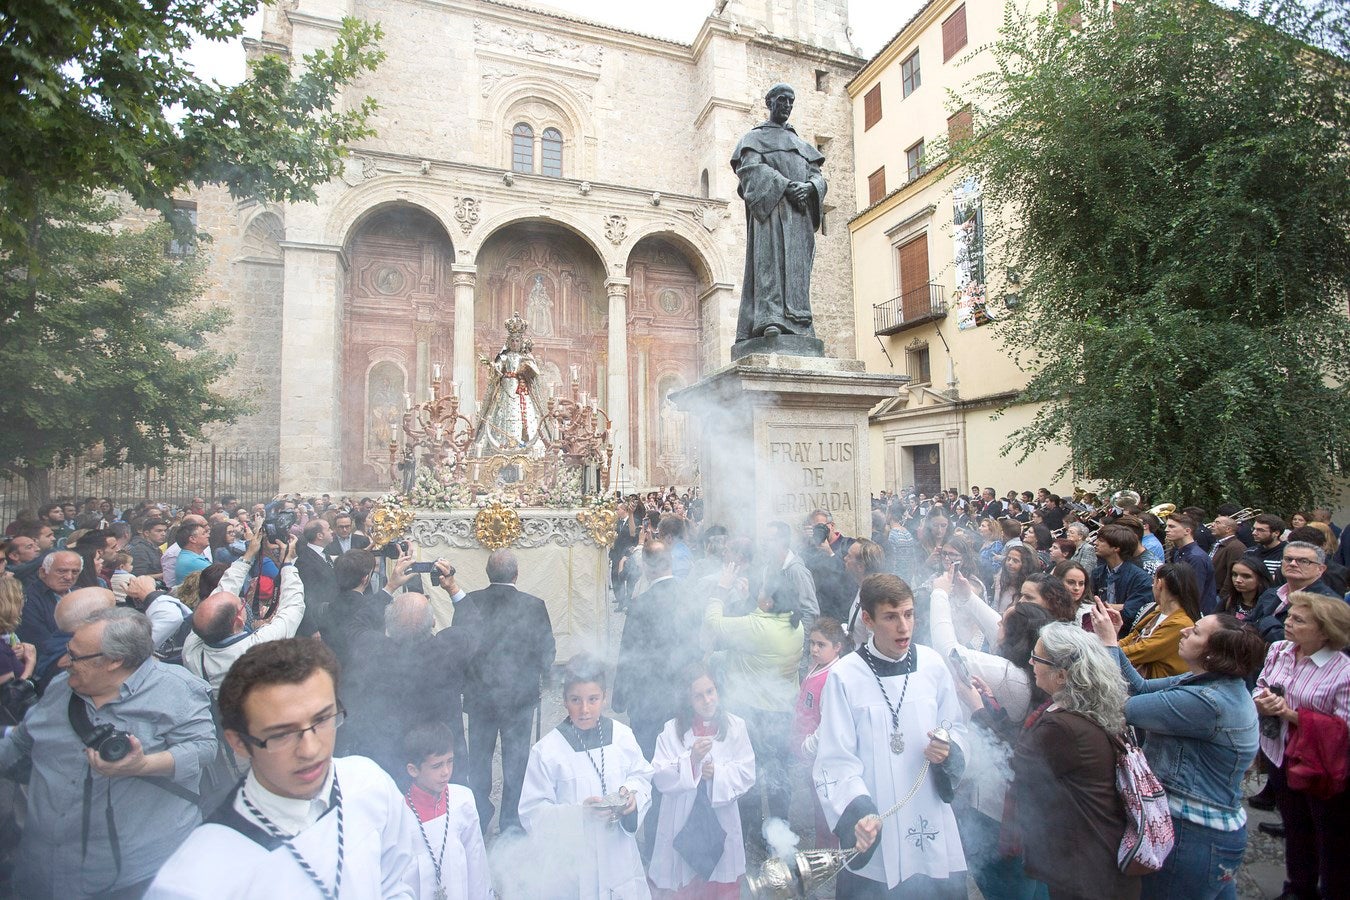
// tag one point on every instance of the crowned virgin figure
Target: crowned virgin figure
(512, 420)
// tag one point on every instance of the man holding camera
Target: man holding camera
(117, 745)
(219, 635)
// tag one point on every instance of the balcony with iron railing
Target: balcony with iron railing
(911, 309)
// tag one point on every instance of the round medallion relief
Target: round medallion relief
(670, 302)
(388, 280)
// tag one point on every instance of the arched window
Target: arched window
(703, 185)
(522, 148)
(553, 152)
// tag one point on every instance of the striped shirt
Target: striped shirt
(1320, 682)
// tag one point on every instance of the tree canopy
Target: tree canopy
(97, 94)
(1169, 182)
(104, 345)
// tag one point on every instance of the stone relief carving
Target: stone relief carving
(616, 229)
(708, 217)
(534, 42)
(359, 169)
(560, 529)
(491, 77)
(466, 213)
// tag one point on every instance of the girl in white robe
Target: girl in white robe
(581, 840)
(705, 747)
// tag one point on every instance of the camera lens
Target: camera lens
(115, 747)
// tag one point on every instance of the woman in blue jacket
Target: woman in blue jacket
(1202, 736)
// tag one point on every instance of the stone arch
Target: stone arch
(668, 280)
(694, 241)
(509, 102)
(586, 231)
(398, 309)
(554, 278)
(262, 238)
(359, 203)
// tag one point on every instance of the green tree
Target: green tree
(103, 345)
(1170, 180)
(96, 94)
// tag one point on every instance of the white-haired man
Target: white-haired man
(117, 744)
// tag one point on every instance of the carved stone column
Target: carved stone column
(617, 369)
(466, 370)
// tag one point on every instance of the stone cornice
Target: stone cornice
(737, 107)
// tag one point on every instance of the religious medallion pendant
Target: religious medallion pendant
(897, 743)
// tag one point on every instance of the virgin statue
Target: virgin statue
(513, 416)
(539, 309)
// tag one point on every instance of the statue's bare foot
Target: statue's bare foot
(772, 331)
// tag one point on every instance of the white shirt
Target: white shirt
(289, 815)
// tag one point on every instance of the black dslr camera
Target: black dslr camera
(110, 744)
(277, 525)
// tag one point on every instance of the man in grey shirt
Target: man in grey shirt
(103, 828)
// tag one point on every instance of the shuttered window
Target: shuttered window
(872, 107)
(960, 126)
(876, 185)
(954, 33)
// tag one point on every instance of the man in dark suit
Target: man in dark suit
(660, 640)
(399, 678)
(357, 612)
(344, 538)
(513, 649)
(316, 573)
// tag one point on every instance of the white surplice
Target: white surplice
(229, 856)
(733, 774)
(587, 857)
(464, 871)
(855, 760)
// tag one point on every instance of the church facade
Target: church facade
(525, 162)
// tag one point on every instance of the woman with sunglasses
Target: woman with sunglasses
(1066, 816)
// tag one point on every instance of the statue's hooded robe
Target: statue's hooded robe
(780, 238)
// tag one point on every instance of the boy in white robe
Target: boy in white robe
(880, 709)
(301, 824)
(587, 789)
(454, 865)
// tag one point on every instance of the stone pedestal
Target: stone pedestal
(783, 435)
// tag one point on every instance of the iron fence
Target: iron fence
(209, 473)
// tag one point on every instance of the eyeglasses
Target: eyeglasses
(1045, 662)
(1300, 561)
(72, 658)
(290, 739)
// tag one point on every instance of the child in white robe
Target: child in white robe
(705, 748)
(587, 788)
(454, 865)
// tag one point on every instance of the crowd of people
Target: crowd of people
(238, 700)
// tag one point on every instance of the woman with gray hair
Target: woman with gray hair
(1066, 817)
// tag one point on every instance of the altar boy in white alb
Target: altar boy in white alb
(301, 824)
(453, 864)
(587, 789)
(880, 709)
